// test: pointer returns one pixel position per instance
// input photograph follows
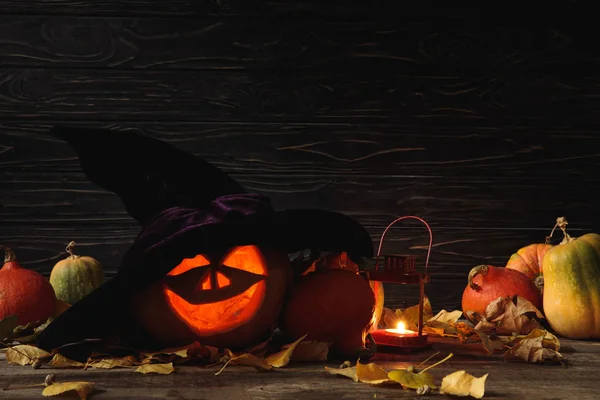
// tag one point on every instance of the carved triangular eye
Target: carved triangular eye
(188, 264)
(246, 258)
(221, 280)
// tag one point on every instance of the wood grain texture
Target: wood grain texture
(417, 46)
(79, 95)
(302, 381)
(483, 202)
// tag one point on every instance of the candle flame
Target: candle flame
(401, 327)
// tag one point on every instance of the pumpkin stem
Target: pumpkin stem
(539, 283)
(69, 250)
(9, 254)
(561, 222)
(478, 270)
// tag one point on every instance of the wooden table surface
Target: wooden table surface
(576, 379)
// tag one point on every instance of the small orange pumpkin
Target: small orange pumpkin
(231, 299)
(528, 259)
(24, 293)
(487, 283)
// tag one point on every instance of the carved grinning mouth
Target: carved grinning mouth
(240, 282)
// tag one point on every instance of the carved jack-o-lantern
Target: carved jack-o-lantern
(229, 299)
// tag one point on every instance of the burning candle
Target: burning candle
(401, 330)
(399, 337)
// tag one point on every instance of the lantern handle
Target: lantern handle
(400, 219)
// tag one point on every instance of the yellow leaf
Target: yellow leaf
(83, 389)
(282, 358)
(410, 315)
(156, 369)
(245, 359)
(411, 380)
(434, 331)
(309, 351)
(24, 354)
(445, 317)
(109, 363)
(349, 372)
(60, 361)
(461, 383)
(372, 373)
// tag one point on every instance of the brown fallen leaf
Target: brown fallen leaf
(348, 372)
(372, 373)
(282, 358)
(445, 317)
(310, 351)
(491, 343)
(244, 359)
(60, 361)
(538, 346)
(164, 369)
(7, 327)
(259, 349)
(461, 383)
(109, 363)
(511, 315)
(25, 354)
(83, 389)
(466, 333)
(182, 354)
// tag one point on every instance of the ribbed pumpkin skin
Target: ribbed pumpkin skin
(528, 259)
(572, 287)
(75, 277)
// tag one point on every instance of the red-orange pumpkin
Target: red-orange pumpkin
(331, 305)
(228, 300)
(528, 260)
(486, 283)
(24, 293)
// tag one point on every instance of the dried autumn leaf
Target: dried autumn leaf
(282, 358)
(181, 354)
(164, 369)
(410, 315)
(511, 315)
(244, 359)
(491, 343)
(109, 363)
(259, 349)
(411, 380)
(60, 361)
(83, 389)
(372, 373)
(435, 331)
(349, 372)
(461, 383)
(466, 332)
(309, 351)
(538, 346)
(445, 317)
(25, 354)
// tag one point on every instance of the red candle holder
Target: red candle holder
(399, 269)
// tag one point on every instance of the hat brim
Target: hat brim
(104, 312)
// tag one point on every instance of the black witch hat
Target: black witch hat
(186, 206)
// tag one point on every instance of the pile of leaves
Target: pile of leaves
(458, 383)
(510, 325)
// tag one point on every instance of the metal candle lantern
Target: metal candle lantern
(402, 270)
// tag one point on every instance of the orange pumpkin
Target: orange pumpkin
(24, 293)
(343, 262)
(528, 260)
(331, 305)
(225, 300)
(486, 283)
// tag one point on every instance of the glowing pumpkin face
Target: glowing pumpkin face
(217, 297)
(227, 299)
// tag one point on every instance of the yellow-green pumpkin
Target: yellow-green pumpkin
(572, 285)
(76, 276)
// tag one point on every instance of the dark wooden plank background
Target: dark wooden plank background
(485, 126)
